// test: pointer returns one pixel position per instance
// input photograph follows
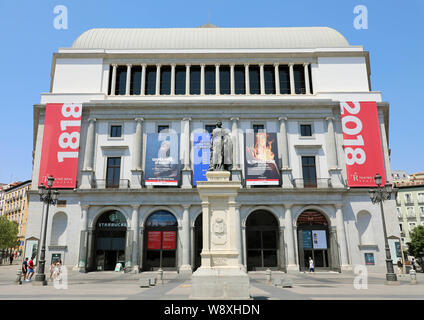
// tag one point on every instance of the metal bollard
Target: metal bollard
(413, 275)
(18, 277)
(268, 275)
(160, 273)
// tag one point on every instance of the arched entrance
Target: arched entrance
(198, 241)
(110, 232)
(160, 241)
(262, 241)
(313, 240)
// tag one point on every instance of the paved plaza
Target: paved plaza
(126, 286)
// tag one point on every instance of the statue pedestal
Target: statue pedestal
(220, 276)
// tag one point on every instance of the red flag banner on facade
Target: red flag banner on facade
(61, 139)
(362, 143)
(154, 240)
(169, 240)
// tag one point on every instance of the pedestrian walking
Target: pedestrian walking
(400, 266)
(11, 258)
(25, 268)
(30, 270)
(311, 265)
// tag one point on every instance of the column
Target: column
(217, 80)
(243, 236)
(186, 267)
(134, 226)
(286, 171)
(233, 90)
(136, 172)
(341, 233)
(292, 86)
(306, 72)
(291, 263)
(113, 84)
(238, 233)
(143, 80)
(262, 78)
(236, 173)
(335, 173)
(82, 261)
(140, 248)
(282, 262)
(202, 79)
(128, 83)
(277, 78)
(185, 150)
(157, 91)
(187, 79)
(87, 172)
(246, 77)
(192, 246)
(172, 79)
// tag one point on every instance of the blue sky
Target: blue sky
(28, 40)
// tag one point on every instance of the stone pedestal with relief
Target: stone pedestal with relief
(221, 276)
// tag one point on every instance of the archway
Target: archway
(313, 240)
(160, 241)
(198, 241)
(110, 232)
(262, 241)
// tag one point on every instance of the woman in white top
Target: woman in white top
(311, 265)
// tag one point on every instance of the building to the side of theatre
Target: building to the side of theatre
(308, 135)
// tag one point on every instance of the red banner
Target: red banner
(153, 240)
(61, 139)
(362, 143)
(169, 240)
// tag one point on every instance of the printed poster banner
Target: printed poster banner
(153, 240)
(260, 156)
(201, 154)
(169, 240)
(162, 159)
(319, 239)
(362, 143)
(61, 139)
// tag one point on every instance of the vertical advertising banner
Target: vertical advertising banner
(362, 143)
(61, 139)
(261, 159)
(319, 239)
(162, 159)
(201, 153)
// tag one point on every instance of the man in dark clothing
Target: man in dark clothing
(25, 268)
(11, 258)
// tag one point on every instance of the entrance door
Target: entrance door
(313, 240)
(262, 241)
(160, 242)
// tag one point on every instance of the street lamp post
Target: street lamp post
(48, 197)
(379, 195)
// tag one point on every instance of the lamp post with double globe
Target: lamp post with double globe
(379, 195)
(48, 197)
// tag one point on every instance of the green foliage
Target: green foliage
(8, 233)
(416, 246)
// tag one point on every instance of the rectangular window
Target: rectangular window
(420, 197)
(165, 80)
(400, 226)
(113, 172)
(110, 79)
(209, 128)
(121, 80)
(309, 172)
(239, 81)
(269, 77)
(284, 75)
(135, 80)
(310, 79)
(254, 80)
(299, 79)
(224, 80)
(195, 80)
(408, 198)
(305, 130)
(258, 128)
(422, 212)
(150, 85)
(163, 128)
(115, 131)
(210, 81)
(180, 80)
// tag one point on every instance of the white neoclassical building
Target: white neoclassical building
(136, 83)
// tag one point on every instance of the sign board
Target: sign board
(319, 239)
(201, 156)
(56, 257)
(169, 240)
(153, 240)
(162, 159)
(307, 239)
(362, 143)
(369, 259)
(61, 140)
(260, 157)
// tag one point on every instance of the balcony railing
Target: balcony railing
(111, 184)
(312, 183)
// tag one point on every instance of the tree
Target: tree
(416, 246)
(8, 233)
